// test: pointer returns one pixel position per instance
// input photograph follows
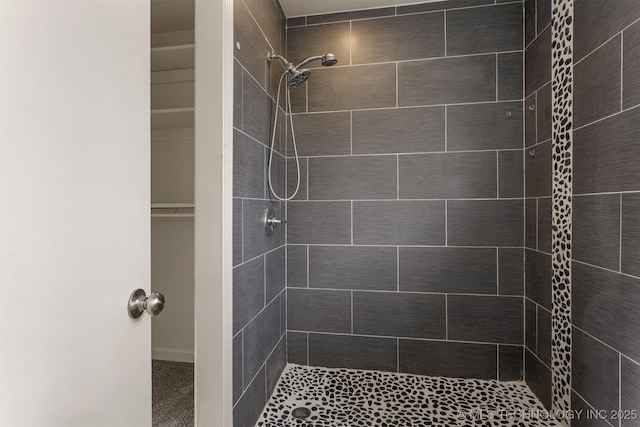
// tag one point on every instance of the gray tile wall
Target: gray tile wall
(606, 176)
(405, 244)
(259, 274)
(538, 180)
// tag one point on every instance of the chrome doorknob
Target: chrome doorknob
(139, 302)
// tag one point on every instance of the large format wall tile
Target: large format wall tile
(447, 81)
(448, 359)
(319, 310)
(484, 29)
(275, 273)
(510, 76)
(397, 38)
(543, 343)
(537, 63)
(252, 402)
(510, 271)
(352, 178)
(321, 134)
(630, 250)
(254, 240)
(607, 154)
(543, 112)
(631, 66)
(353, 352)
(319, 222)
(485, 319)
(448, 175)
(595, 371)
(297, 266)
(260, 336)
(510, 363)
(484, 126)
(348, 16)
(537, 169)
(237, 231)
(629, 388)
(439, 270)
(538, 277)
(596, 230)
(545, 225)
(303, 42)
(248, 167)
(399, 223)
(510, 174)
(238, 386)
(434, 6)
(579, 406)
(403, 130)
(269, 19)
(349, 267)
(352, 88)
(485, 222)
(248, 292)
(256, 110)
(596, 87)
(605, 305)
(538, 377)
(252, 54)
(399, 315)
(597, 21)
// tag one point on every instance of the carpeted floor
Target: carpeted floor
(307, 396)
(172, 394)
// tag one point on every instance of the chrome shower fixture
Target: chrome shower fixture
(297, 74)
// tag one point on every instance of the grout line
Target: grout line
(308, 279)
(445, 33)
(307, 338)
(397, 92)
(242, 353)
(620, 240)
(397, 177)
(620, 387)
(405, 107)
(241, 232)
(446, 130)
(350, 43)
(343, 334)
(351, 132)
(398, 354)
(497, 174)
(351, 222)
(431, 293)
(446, 223)
(594, 411)
(607, 117)
(398, 269)
(351, 312)
(496, 77)
(497, 271)
(446, 317)
(264, 279)
(498, 363)
(476, 199)
(605, 269)
(621, 70)
(537, 223)
(606, 41)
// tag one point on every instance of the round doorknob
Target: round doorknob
(139, 302)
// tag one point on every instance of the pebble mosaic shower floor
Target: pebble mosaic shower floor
(310, 397)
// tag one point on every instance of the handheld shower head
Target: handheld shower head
(329, 60)
(298, 77)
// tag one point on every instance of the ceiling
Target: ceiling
(316, 7)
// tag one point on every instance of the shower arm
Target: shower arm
(286, 64)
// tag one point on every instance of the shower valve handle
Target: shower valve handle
(271, 222)
(274, 221)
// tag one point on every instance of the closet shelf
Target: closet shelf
(172, 118)
(172, 205)
(172, 57)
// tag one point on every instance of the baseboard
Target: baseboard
(172, 354)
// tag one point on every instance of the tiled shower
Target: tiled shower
(440, 170)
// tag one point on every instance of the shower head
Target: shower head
(298, 77)
(329, 60)
(297, 74)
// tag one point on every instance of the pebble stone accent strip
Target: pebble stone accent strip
(344, 397)
(562, 120)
